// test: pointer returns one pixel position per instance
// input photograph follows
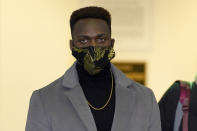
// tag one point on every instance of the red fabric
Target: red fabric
(185, 100)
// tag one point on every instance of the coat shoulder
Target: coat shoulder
(52, 87)
(141, 88)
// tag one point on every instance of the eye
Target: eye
(83, 41)
(101, 40)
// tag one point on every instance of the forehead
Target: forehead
(90, 27)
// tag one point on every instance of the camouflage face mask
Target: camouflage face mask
(93, 59)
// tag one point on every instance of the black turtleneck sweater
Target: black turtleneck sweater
(97, 89)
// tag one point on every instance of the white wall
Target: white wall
(34, 50)
(175, 43)
(174, 53)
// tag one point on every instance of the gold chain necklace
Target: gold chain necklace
(100, 108)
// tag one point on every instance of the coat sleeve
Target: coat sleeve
(155, 122)
(37, 118)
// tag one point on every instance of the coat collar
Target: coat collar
(71, 80)
(125, 99)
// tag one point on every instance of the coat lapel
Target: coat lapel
(125, 101)
(77, 98)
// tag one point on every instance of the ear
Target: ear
(112, 42)
(71, 44)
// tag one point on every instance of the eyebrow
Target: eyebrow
(99, 35)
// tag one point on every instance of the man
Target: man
(93, 95)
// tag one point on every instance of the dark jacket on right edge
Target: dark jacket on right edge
(168, 105)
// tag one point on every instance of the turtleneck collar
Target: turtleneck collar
(103, 74)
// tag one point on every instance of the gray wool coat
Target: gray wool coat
(62, 106)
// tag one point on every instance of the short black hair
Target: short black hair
(90, 12)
